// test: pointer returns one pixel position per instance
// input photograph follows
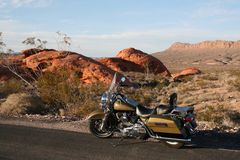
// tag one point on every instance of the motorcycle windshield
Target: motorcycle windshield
(112, 88)
(113, 85)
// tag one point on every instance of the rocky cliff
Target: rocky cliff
(217, 54)
(218, 44)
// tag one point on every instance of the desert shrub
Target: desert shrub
(202, 84)
(220, 116)
(88, 100)
(58, 91)
(11, 86)
(21, 103)
(212, 114)
(184, 78)
(235, 83)
(234, 116)
(186, 87)
(210, 77)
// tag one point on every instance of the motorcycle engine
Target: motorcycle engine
(130, 127)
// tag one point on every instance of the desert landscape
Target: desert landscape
(68, 84)
(218, 55)
(175, 64)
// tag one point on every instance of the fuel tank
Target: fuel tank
(162, 124)
(120, 106)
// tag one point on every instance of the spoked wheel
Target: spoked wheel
(94, 127)
(174, 144)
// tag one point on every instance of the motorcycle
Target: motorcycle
(171, 124)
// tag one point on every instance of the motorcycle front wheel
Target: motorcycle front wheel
(94, 128)
(174, 144)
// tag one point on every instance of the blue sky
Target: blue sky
(103, 27)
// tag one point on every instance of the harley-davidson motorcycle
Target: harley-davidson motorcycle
(169, 123)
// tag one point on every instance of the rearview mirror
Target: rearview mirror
(123, 79)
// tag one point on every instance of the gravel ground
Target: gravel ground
(48, 121)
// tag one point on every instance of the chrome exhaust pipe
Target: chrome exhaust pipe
(171, 139)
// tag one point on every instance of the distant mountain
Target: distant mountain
(205, 54)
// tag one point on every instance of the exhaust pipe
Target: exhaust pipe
(171, 139)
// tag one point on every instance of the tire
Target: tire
(174, 144)
(94, 128)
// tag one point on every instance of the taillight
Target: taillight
(188, 119)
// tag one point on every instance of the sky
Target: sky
(100, 28)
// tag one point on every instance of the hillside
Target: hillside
(217, 54)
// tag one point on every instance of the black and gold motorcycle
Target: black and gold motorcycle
(169, 123)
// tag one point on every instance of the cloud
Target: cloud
(99, 45)
(24, 3)
(8, 25)
(217, 8)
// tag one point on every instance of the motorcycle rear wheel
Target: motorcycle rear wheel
(94, 128)
(174, 144)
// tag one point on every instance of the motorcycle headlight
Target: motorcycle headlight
(104, 99)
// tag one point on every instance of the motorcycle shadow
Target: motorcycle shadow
(125, 141)
(215, 140)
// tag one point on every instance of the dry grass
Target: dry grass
(60, 93)
(10, 86)
(21, 103)
(220, 116)
(215, 96)
(235, 83)
(208, 92)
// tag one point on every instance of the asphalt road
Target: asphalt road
(26, 143)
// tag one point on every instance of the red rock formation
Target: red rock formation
(145, 60)
(186, 72)
(29, 52)
(32, 51)
(88, 70)
(121, 65)
(5, 74)
(14, 62)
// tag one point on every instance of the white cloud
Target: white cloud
(109, 44)
(97, 45)
(217, 8)
(24, 3)
(32, 3)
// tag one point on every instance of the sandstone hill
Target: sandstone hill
(133, 60)
(88, 70)
(33, 61)
(121, 65)
(206, 54)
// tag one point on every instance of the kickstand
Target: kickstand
(118, 143)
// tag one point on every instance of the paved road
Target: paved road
(26, 143)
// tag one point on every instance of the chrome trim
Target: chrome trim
(171, 139)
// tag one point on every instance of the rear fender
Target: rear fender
(98, 114)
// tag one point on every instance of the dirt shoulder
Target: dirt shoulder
(48, 122)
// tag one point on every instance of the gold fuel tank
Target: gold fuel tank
(120, 106)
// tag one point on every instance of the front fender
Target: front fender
(98, 114)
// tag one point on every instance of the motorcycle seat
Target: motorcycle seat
(162, 109)
(143, 111)
(147, 112)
